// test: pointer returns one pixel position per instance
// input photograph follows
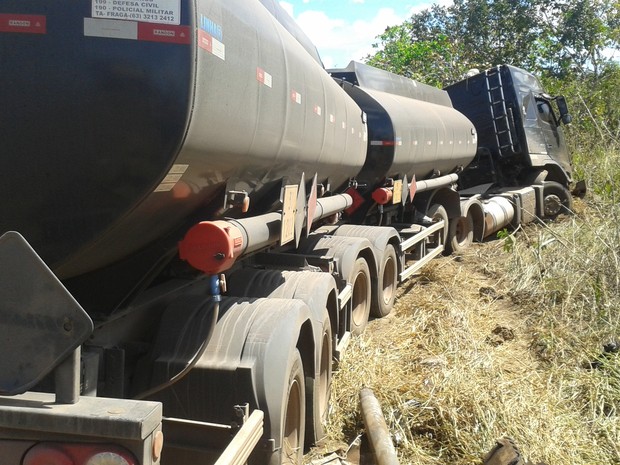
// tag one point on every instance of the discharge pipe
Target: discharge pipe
(384, 195)
(213, 246)
(377, 429)
(436, 183)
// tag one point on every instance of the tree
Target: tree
(580, 36)
(570, 44)
(430, 60)
(554, 37)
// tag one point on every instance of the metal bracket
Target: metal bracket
(67, 379)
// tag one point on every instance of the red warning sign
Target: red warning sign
(260, 75)
(28, 24)
(205, 41)
(413, 188)
(264, 77)
(296, 97)
(209, 43)
(164, 33)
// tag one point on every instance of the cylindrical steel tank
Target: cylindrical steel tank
(412, 127)
(121, 118)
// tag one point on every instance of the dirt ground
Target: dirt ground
(453, 329)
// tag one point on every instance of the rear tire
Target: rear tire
(385, 290)
(361, 295)
(293, 417)
(460, 234)
(319, 388)
(438, 212)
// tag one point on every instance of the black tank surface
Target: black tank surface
(412, 127)
(120, 119)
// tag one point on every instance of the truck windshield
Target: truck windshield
(525, 81)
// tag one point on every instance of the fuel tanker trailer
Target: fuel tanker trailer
(116, 129)
(195, 218)
(414, 134)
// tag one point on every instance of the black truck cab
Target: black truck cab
(519, 127)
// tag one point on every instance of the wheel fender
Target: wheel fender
(558, 173)
(449, 198)
(378, 236)
(318, 290)
(311, 287)
(246, 359)
(473, 207)
(315, 289)
(345, 251)
(186, 324)
(196, 395)
(271, 339)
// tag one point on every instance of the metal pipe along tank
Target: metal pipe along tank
(214, 246)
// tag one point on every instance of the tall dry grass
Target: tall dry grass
(569, 275)
(506, 340)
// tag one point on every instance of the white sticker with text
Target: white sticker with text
(147, 11)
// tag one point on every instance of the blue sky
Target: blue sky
(344, 30)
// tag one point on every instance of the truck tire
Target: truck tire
(293, 416)
(460, 234)
(438, 212)
(318, 388)
(315, 290)
(361, 295)
(556, 200)
(386, 284)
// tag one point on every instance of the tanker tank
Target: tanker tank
(120, 126)
(412, 127)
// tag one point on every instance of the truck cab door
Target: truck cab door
(534, 128)
(552, 133)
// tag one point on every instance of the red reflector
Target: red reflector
(413, 188)
(47, 455)
(78, 454)
(358, 200)
(383, 143)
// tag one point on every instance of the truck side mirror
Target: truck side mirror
(563, 108)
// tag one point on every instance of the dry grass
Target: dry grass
(505, 340)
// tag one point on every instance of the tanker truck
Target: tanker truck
(196, 217)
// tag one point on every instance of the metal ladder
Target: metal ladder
(499, 112)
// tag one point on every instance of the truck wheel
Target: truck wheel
(460, 234)
(293, 418)
(386, 284)
(438, 212)
(557, 199)
(315, 290)
(318, 388)
(360, 298)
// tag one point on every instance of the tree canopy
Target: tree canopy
(573, 45)
(550, 37)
